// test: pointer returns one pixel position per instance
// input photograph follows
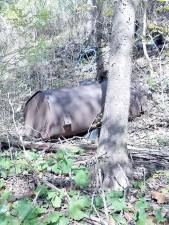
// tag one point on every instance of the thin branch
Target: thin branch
(144, 39)
(103, 197)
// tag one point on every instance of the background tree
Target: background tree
(113, 135)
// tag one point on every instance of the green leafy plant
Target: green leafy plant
(56, 218)
(42, 191)
(139, 185)
(21, 213)
(63, 164)
(2, 183)
(140, 215)
(5, 165)
(119, 219)
(55, 198)
(159, 217)
(116, 201)
(81, 177)
(77, 207)
(98, 202)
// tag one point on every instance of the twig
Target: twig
(92, 203)
(143, 38)
(103, 197)
(95, 221)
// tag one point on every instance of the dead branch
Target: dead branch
(41, 145)
(144, 41)
(159, 155)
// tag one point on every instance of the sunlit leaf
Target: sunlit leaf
(53, 217)
(77, 207)
(63, 221)
(31, 155)
(56, 201)
(81, 178)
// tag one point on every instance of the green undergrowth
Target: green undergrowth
(49, 204)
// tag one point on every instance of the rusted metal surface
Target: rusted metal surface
(63, 112)
(71, 111)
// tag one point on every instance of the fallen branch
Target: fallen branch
(46, 146)
(159, 155)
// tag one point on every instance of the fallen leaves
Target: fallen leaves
(159, 197)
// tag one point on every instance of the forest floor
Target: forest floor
(52, 186)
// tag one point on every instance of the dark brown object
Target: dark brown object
(70, 111)
(63, 112)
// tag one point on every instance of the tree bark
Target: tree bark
(100, 70)
(115, 118)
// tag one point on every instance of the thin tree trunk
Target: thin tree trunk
(100, 70)
(115, 118)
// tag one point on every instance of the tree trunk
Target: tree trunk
(115, 118)
(98, 8)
